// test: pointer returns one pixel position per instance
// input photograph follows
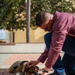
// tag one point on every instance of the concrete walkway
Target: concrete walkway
(22, 48)
(11, 53)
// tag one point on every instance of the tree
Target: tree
(12, 14)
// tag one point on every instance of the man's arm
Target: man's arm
(58, 39)
(43, 56)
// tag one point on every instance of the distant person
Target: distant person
(60, 37)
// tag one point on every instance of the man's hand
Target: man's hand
(32, 63)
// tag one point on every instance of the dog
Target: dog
(30, 70)
(22, 68)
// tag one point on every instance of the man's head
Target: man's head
(44, 20)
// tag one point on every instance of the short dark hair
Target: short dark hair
(40, 18)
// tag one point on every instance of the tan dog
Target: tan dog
(21, 68)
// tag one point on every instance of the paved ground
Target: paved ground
(22, 48)
(11, 53)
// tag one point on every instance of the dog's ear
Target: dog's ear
(24, 68)
(23, 62)
(36, 68)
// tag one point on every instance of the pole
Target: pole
(28, 20)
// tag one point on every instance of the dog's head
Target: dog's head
(30, 70)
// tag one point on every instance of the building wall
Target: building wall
(36, 36)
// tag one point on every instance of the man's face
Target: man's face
(47, 24)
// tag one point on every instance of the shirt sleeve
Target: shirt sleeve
(43, 56)
(55, 49)
(58, 38)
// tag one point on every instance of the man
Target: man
(61, 37)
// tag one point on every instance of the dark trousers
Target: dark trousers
(67, 63)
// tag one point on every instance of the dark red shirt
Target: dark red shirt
(64, 25)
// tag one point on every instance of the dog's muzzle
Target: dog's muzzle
(31, 70)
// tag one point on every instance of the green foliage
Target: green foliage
(63, 5)
(13, 12)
